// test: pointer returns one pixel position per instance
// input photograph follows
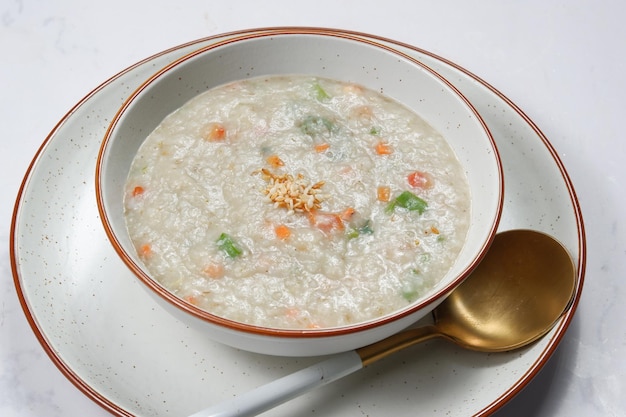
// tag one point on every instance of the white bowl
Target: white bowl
(329, 55)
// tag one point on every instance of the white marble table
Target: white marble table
(562, 62)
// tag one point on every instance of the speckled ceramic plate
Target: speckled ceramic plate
(107, 335)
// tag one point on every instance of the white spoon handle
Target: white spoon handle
(277, 392)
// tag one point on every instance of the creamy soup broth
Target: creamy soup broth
(296, 202)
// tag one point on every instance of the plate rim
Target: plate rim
(109, 405)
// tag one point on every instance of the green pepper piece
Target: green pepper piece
(320, 93)
(225, 243)
(410, 295)
(375, 131)
(409, 201)
(352, 233)
(364, 229)
(413, 286)
(316, 125)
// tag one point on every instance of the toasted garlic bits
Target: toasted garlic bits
(294, 194)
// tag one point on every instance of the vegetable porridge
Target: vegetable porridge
(296, 202)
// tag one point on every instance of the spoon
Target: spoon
(514, 297)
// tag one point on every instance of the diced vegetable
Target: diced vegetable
(383, 193)
(410, 294)
(216, 132)
(315, 126)
(275, 161)
(383, 148)
(419, 179)
(409, 201)
(364, 229)
(214, 270)
(145, 250)
(347, 214)
(191, 299)
(137, 191)
(322, 147)
(320, 93)
(375, 130)
(326, 222)
(282, 232)
(226, 244)
(412, 287)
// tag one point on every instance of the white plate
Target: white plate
(107, 335)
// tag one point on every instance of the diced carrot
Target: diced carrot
(214, 270)
(216, 132)
(138, 190)
(282, 232)
(326, 222)
(145, 250)
(419, 179)
(275, 161)
(383, 148)
(347, 214)
(314, 326)
(383, 193)
(321, 147)
(434, 230)
(191, 299)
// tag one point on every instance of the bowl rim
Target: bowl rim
(164, 294)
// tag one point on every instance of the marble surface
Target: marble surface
(561, 61)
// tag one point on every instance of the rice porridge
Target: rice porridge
(296, 202)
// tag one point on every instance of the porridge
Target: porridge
(296, 202)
